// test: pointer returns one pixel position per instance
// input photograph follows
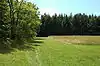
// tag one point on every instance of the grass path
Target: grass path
(38, 62)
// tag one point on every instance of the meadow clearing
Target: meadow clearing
(55, 51)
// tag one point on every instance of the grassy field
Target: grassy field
(56, 51)
(79, 39)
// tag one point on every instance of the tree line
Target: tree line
(63, 24)
(19, 20)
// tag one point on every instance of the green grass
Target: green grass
(18, 58)
(53, 51)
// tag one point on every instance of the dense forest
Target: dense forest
(63, 24)
(19, 21)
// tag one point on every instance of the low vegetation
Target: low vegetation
(78, 39)
(52, 51)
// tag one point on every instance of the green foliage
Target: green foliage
(18, 20)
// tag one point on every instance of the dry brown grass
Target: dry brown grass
(78, 39)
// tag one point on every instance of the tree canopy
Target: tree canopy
(18, 20)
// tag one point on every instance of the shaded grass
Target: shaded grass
(21, 55)
(21, 45)
(37, 41)
(5, 50)
(39, 38)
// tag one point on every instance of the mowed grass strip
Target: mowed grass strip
(55, 53)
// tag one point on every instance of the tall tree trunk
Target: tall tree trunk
(12, 35)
